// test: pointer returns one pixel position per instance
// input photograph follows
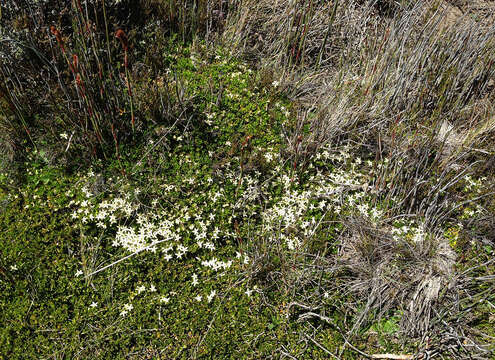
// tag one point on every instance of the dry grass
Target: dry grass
(414, 85)
(411, 83)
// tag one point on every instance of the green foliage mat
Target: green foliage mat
(199, 241)
(145, 306)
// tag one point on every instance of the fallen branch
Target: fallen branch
(391, 356)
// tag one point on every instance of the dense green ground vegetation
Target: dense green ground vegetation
(216, 180)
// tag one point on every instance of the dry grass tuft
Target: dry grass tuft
(412, 84)
(396, 275)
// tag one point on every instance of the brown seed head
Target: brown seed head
(58, 36)
(75, 61)
(120, 34)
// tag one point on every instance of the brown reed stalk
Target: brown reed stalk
(120, 34)
(58, 36)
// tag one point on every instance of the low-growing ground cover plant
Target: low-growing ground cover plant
(330, 198)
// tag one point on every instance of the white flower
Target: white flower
(195, 280)
(164, 300)
(275, 83)
(209, 246)
(249, 292)
(79, 273)
(375, 213)
(124, 312)
(216, 264)
(128, 307)
(181, 248)
(64, 136)
(363, 208)
(211, 296)
(198, 298)
(140, 289)
(419, 235)
(326, 295)
(93, 304)
(152, 288)
(13, 267)
(269, 156)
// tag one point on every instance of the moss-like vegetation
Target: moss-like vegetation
(199, 179)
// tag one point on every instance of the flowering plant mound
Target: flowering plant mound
(217, 232)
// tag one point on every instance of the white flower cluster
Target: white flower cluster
(126, 309)
(145, 235)
(410, 231)
(199, 214)
(286, 214)
(184, 231)
(216, 264)
(291, 218)
(473, 184)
